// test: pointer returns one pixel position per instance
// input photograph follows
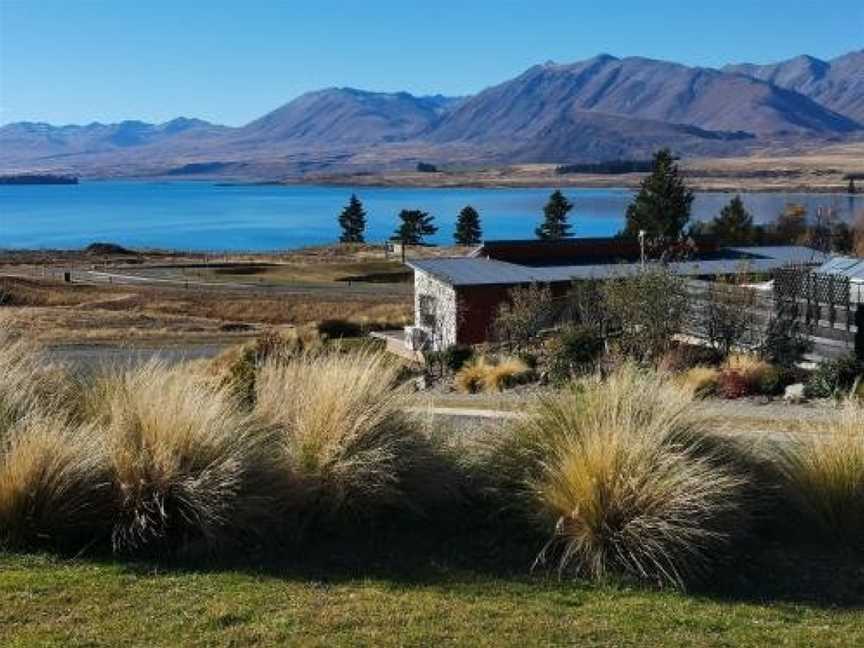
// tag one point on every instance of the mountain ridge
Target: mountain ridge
(601, 108)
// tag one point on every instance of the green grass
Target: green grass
(47, 601)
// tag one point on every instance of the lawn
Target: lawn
(48, 601)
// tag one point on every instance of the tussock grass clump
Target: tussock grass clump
(188, 465)
(345, 433)
(55, 488)
(618, 472)
(489, 375)
(27, 381)
(822, 473)
(751, 368)
(237, 368)
(700, 381)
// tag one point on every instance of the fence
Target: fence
(822, 302)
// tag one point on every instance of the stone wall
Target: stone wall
(435, 310)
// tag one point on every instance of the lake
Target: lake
(204, 216)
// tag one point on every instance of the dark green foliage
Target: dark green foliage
(834, 377)
(415, 225)
(468, 230)
(842, 238)
(662, 206)
(573, 351)
(457, 355)
(339, 328)
(649, 309)
(425, 167)
(352, 220)
(555, 226)
(772, 381)
(734, 225)
(786, 339)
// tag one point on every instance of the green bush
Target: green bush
(457, 355)
(573, 351)
(771, 381)
(833, 377)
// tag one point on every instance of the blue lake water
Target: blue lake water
(204, 216)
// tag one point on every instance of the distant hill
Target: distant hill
(837, 84)
(644, 89)
(600, 109)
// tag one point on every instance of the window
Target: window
(428, 305)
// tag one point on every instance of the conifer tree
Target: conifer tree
(352, 220)
(555, 225)
(415, 225)
(468, 231)
(662, 207)
(734, 225)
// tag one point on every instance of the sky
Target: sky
(231, 61)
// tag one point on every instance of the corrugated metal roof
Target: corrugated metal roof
(474, 271)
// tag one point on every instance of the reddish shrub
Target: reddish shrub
(732, 384)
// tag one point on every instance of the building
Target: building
(456, 299)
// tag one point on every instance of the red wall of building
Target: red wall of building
(477, 306)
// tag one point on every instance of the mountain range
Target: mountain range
(599, 109)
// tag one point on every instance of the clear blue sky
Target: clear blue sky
(229, 61)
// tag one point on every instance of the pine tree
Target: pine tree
(352, 220)
(734, 225)
(852, 188)
(662, 206)
(468, 231)
(414, 226)
(555, 225)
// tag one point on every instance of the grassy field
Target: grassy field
(48, 601)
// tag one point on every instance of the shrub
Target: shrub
(786, 339)
(650, 308)
(469, 379)
(617, 473)
(55, 489)
(772, 381)
(506, 373)
(751, 369)
(188, 466)
(823, 475)
(345, 434)
(682, 357)
(339, 328)
(833, 378)
(529, 310)
(700, 381)
(574, 350)
(457, 355)
(731, 384)
(27, 381)
(237, 367)
(484, 374)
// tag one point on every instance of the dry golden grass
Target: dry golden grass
(750, 367)
(491, 375)
(189, 466)
(55, 313)
(55, 488)
(618, 474)
(823, 473)
(699, 381)
(345, 431)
